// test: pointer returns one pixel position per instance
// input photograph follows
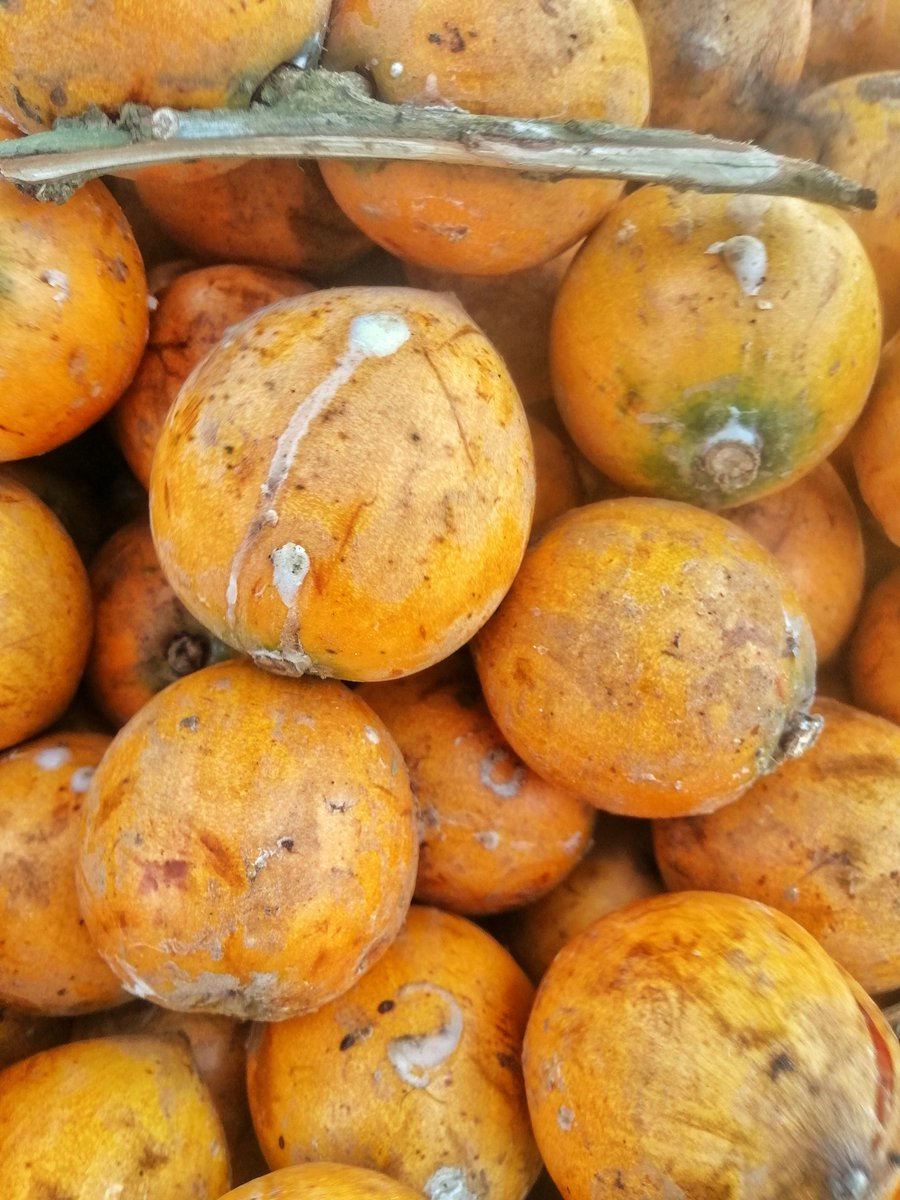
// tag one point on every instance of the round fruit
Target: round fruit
(323, 1181)
(249, 844)
(144, 637)
(110, 1117)
(432, 1036)
(873, 656)
(873, 443)
(818, 839)
(45, 618)
(346, 484)
(714, 348)
(58, 61)
(73, 314)
(736, 1058)
(649, 657)
(568, 59)
(48, 964)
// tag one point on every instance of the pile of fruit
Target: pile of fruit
(450, 622)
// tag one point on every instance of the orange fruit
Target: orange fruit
(144, 637)
(43, 646)
(365, 462)
(874, 440)
(853, 127)
(766, 332)
(494, 834)
(415, 1071)
(848, 38)
(48, 964)
(617, 869)
(57, 62)
(558, 485)
(813, 530)
(323, 1181)
(73, 321)
(650, 657)
(818, 840)
(269, 212)
(569, 59)
(248, 844)
(191, 315)
(736, 1058)
(723, 69)
(873, 655)
(118, 1116)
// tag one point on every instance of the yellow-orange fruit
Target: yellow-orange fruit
(558, 484)
(617, 869)
(853, 126)
(45, 618)
(813, 529)
(269, 212)
(118, 1116)
(494, 834)
(219, 1050)
(851, 36)
(23, 1034)
(48, 964)
(73, 321)
(192, 314)
(874, 440)
(568, 59)
(432, 1035)
(144, 637)
(714, 348)
(248, 845)
(323, 1181)
(57, 61)
(362, 462)
(705, 1045)
(651, 657)
(723, 68)
(818, 839)
(513, 310)
(873, 655)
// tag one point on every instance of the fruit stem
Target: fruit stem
(314, 113)
(187, 652)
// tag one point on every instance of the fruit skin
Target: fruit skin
(145, 1123)
(43, 646)
(269, 212)
(249, 844)
(813, 529)
(431, 1035)
(323, 1181)
(570, 59)
(680, 375)
(191, 316)
(873, 440)
(48, 964)
(723, 69)
(144, 637)
(873, 654)
(73, 315)
(737, 1059)
(849, 38)
(650, 657)
(60, 60)
(817, 839)
(852, 126)
(346, 484)
(494, 834)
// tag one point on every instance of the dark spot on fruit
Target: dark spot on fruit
(280, 1142)
(386, 1006)
(780, 1063)
(28, 109)
(509, 1061)
(58, 95)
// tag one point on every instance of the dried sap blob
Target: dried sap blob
(345, 486)
(249, 844)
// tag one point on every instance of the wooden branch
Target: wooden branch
(323, 114)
